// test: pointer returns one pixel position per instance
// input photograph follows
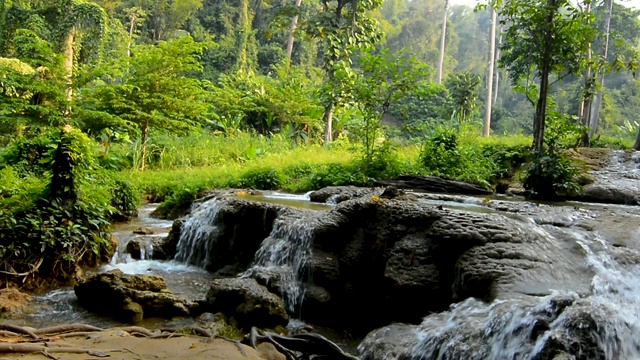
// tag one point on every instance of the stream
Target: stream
(605, 237)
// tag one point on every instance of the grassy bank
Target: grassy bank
(180, 168)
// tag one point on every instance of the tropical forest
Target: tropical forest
(320, 179)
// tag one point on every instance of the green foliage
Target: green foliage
(125, 200)
(552, 174)
(51, 229)
(463, 90)
(263, 179)
(453, 154)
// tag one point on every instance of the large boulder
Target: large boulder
(248, 302)
(555, 327)
(399, 258)
(131, 297)
(223, 232)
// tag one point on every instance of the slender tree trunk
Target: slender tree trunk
(443, 39)
(497, 84)
(328, 123)
(541, 106)
(597, 103)
(292, 34)
(133, 22)
(584, 111)
(492, 50)
(69, 60)
(143, 140)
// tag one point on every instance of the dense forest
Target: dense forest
(103, 102)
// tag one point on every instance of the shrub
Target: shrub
(551, 175)
(261, 179)
(124, 200)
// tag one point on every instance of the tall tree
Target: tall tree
(490, 68)
(544, 37)
(597, 102)
(342, 28)
(443, 39)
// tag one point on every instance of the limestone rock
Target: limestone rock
(131, 297)
(393, 342)
(143, 231)
(249, 303)
(338, 194)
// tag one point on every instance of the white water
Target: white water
(198, 232)
(608, 320)
(288, 247)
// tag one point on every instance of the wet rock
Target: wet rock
(338, 194)
(170, 243)
(12, 301)
(131, 297)
(393, 342)
(391, 192)
(249, 303)
(225, 232)
(143, 231)
(403, 255)
(147, 247)
(557, 327)
(614, 181)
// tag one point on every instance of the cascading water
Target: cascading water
(198, 232)
(603, 325)
(288, 249)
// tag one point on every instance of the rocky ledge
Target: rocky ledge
(131, 298)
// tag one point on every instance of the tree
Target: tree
(597, 102)
(292, 34)
(443, 38)
(463, 89)
(491, 66)
(382, 80)
(342, 28)
(544, 37)
(152, 90)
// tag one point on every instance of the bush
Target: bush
(28, 155)
(550, 176)
(453, 154)
(124, 200)
(260, 179)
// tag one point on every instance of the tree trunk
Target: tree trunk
(143, 140)
(328, 122)
(497, 57)
(597, 103)
(133, 22)
(541, 107)
(292, 34)
(492, 50)
(584, 111)
(69, 60)
(443, 39)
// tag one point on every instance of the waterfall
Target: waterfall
(198, 233)
(288, 248)
(603, 325)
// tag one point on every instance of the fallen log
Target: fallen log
(434, 184)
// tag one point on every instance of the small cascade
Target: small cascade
(604, 325)
(198, 232)
(287, 250)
